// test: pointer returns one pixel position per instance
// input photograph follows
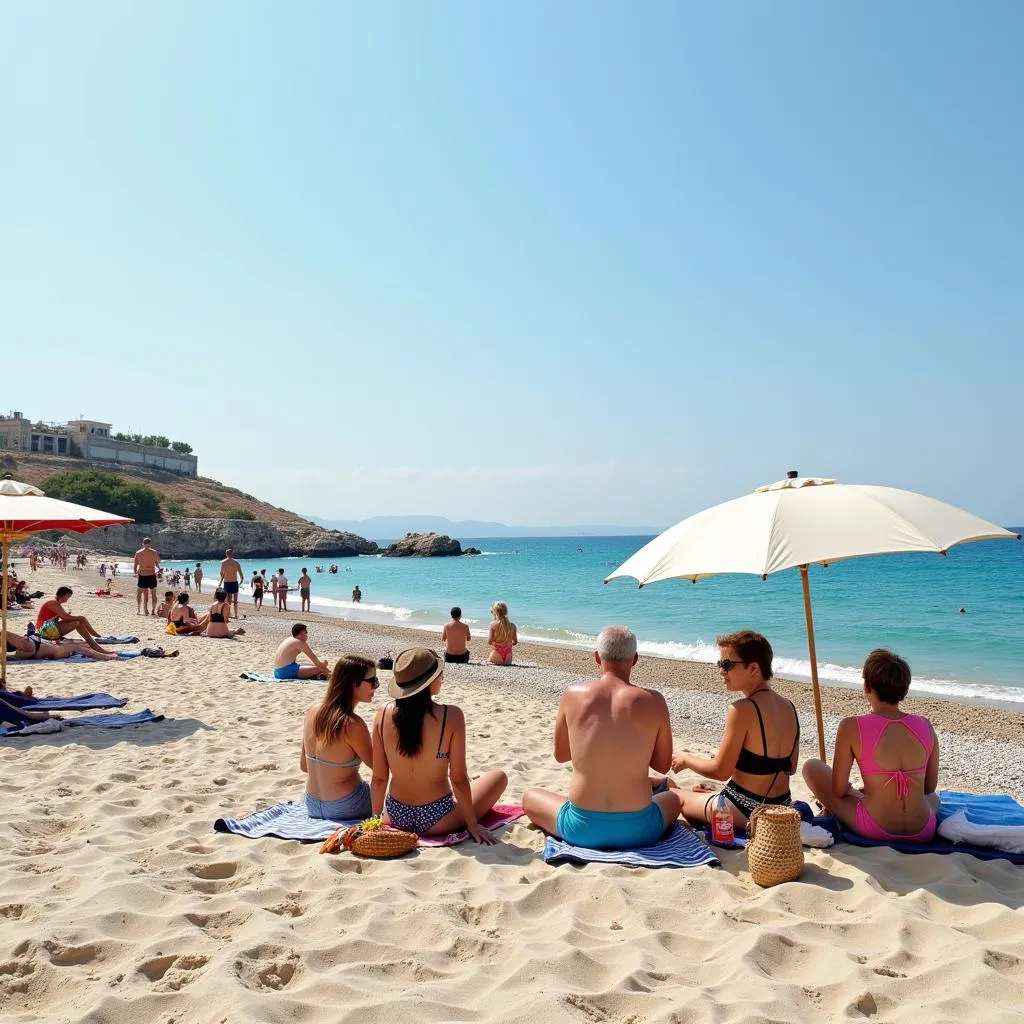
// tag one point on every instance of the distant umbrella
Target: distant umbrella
(797, 522)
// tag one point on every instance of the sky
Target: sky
(538, 263)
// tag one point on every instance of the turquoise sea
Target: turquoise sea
(554, 590)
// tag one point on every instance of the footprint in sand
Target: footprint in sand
(72, 956)
(266, 968)
(222, 925)
(171, 973)
(13, 911)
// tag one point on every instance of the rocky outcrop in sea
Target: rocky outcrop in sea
(423, 545)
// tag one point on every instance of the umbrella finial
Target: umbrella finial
(791, 474)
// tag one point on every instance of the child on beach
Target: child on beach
(900, 767)
(164, 611)
(502, 635)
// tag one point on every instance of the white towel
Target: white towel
(50, 725)
(815, 835)
(957, 828)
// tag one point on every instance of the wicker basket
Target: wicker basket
(371, 839)
(774, 852)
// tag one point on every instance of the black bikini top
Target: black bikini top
(762, 764)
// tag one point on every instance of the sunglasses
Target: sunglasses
(727, 664)
(373, 681)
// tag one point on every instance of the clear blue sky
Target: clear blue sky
(534, 262)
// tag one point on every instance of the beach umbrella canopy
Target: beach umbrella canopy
(798, 522)
(25, 510)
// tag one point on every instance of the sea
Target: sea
(553, 586)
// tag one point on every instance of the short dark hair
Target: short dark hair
(63, 590)
(183, 598)
(887, 675)
(299, 627)
(753, 648)
(168, 594)
(456, 612)
(220, 594)
(304, 569)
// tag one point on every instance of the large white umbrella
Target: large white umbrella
(797, 522)
(25, 510)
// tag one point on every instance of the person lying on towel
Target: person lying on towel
(11, 715)
(420, 747)
(613, 732)
(35, 648)
(760, 744)
(898, 757)
(336, 741)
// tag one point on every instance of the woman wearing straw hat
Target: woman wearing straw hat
(421, 747)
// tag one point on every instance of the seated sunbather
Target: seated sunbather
(165, 606)
(218, 616)
(30, 648)
(760, 745)
(54, 622)
(286, 661)
(899, 766)
(335, 741)
(184, 619)
(420, 748)
(612, 731)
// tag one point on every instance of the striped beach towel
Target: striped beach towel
(681, 848)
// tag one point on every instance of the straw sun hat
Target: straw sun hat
(414, 670)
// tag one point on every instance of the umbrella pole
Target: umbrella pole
(3, 623)
(814, 661)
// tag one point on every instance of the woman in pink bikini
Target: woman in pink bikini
(898, 757)
(502, 635)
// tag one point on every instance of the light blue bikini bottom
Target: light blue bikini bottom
(346, 808)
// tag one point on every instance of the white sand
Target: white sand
(119, 903)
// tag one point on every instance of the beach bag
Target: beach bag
(774, 850)
(371, 838)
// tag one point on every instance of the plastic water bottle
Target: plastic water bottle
(722, 832)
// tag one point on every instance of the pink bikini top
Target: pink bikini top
(871, 728)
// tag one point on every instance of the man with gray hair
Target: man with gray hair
(613, 732)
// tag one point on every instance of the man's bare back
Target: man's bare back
(615, 732)
(456, 637)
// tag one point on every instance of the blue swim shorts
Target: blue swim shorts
(230, 586)
(610, 830)
(287, 671)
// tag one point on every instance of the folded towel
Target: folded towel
(50, 725)
(681, 848)
(292, 821)
(117, 639)
(81, 702)
(101, 721)
(995, 821)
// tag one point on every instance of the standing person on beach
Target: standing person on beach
(304, 584)
(257, 589)
(281, 589)
(456, 638)
(198, 577)
(286, 661)
(357, 594)
(144, 566)
(613, 732)
(420, 748)
(231, 576)
(502, 636)
(899, 766)
(760, 745)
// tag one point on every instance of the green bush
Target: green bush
(240, 513)
(176, 508)
(101, 489)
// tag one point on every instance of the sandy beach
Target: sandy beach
(118, 902)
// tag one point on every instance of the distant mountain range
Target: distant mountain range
(390, 527)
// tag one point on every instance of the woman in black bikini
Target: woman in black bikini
(218, 617)
(420, 747)
(760, 746)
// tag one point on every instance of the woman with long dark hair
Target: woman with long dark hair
(335, 741)
(420, 747)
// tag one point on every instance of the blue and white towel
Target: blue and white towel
(995, 821)
(283, 821)
(267, 677)
(101, 721)
(109, 640)
(681, 848)
(80, 702)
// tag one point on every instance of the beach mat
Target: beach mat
(266, 677)
(80, 702)
(292, 821)
(681, 848)
(103, 721)
(111, 640)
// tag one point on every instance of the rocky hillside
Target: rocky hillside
(200, 516)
